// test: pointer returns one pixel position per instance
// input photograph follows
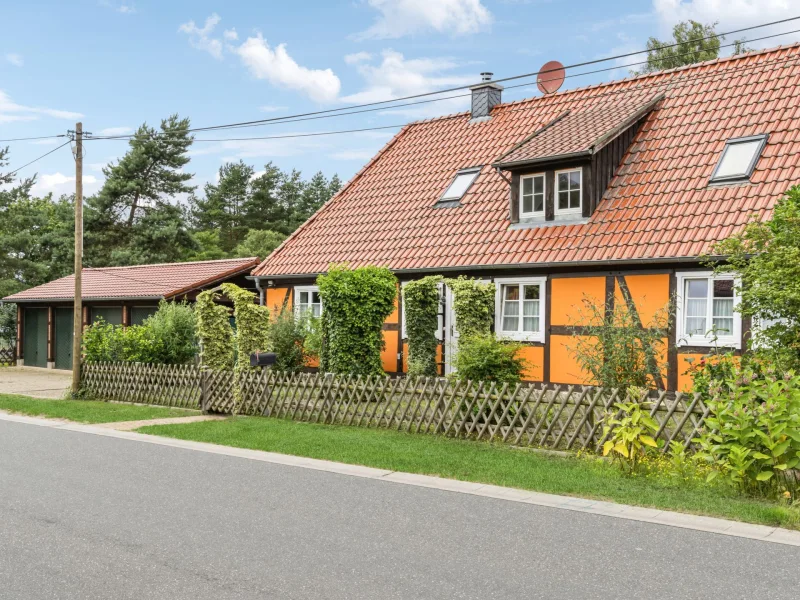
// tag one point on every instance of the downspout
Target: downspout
(261, 291)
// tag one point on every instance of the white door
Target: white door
(451, 330)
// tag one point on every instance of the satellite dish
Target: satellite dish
(551, 77)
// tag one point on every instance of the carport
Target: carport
(117, 295)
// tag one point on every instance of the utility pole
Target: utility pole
(77, 317)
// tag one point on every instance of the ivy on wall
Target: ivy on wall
(214, 331)
(473, 304)
(356, 302)
(421, 300)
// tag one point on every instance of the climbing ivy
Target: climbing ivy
(252, 330)
(473, 304)
(214, 331)
(421, 307)
(355, 304)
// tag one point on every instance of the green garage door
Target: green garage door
(64, 320)
(110, 314)
(34, 346)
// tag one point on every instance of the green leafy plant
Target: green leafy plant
(752, 435)
(356, 302)
(485, 358)
(615, 349)
(214, 332)
(421, 299)
(629, 434)
(312, 336)
(103, 342)
(473, 304)
(287, 335)
(173, 331)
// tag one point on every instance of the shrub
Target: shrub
(473, 304)
(287, 336)
(173, 330)
(629, 432)
(421, 301)
(214, 332)
(103, 342)
(616, 350)
(312, 336)
(356, 302)
(485, 358)
(752, 435)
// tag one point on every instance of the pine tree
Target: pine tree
(263, 210)
(222, 208)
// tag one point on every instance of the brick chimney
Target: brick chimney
(485, 96)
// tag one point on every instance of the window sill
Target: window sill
(705, 342)
(521, 337)
(561, 220)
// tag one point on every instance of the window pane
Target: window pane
(563, 181)
(575, 199)
(530, 324)
(510, 323)
(695, 326)
(527, 204)
(696, 307)
(736, 159)
(723, 307)
(304, 298)
(527, 186)
(697, 288)
(459, 186)
(315, 297)
(575, 179)
(563, 200)
(530, 308)
(511, 309)
(723, 326)
(511, 292)
(538, 203)
(531, 292)
(316, 310)
(538, 185)
(723, 288)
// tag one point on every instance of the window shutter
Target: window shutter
(514, 196)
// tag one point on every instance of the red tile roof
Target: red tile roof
(658, 206)
(140, 281)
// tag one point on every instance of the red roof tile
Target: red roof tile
(141, 281)
(657, 206)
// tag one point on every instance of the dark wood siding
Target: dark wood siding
(606, 162)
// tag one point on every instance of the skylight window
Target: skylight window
(460, 185)
(739, 158)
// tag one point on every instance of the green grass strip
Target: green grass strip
(480, 462)
(86, 411)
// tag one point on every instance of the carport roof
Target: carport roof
(139, 281)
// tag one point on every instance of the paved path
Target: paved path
(131, 425)
(89, 516)
(39, 383)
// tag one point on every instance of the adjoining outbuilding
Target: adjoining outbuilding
(118, 295)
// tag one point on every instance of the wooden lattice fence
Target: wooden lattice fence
(7, 355)
(561, 417)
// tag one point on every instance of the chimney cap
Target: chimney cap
(486, 76)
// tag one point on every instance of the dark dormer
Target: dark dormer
(560, 172)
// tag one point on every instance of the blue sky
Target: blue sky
(116, 63)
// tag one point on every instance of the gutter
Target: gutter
(261, 290)
(85, 299)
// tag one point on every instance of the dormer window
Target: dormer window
(568, 192)
(456, 190)
(738, 159)
(531, 195)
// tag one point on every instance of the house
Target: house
(611, 192)
(118, 295)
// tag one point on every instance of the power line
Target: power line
(317, 116)
(41, 137)
(659, 83)
(38, 159)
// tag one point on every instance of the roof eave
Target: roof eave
(542, 160)
(12, 300)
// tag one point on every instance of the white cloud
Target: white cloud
(115, 131)
(15, 59)
(58, 184)
(200, 37)
(265, 149)
(357, 57)
(397, 76)
(360, 155)
(230, 34)
(268, 108)
(11, 111)
(731, 14)
(122, 8)
(280, 69)
(403, 17)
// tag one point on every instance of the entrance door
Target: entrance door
(34, 346)
(450, 332)
(64, 321)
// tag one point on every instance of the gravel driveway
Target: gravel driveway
(40, 383)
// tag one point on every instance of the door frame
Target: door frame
(451, 334)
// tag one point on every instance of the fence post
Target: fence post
(204, 391)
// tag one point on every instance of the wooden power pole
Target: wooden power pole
(77, 317)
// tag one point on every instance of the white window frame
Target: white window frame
(440, 325)
(748, 172)
(520, 336)
(707, 339)
(305, 288)
(533, 213)
(473, 171)
(568, 211)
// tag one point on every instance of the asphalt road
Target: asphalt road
(85, 516)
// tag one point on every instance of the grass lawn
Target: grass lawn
(86, 411)
(479, 462)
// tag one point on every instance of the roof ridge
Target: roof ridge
(168, 264)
